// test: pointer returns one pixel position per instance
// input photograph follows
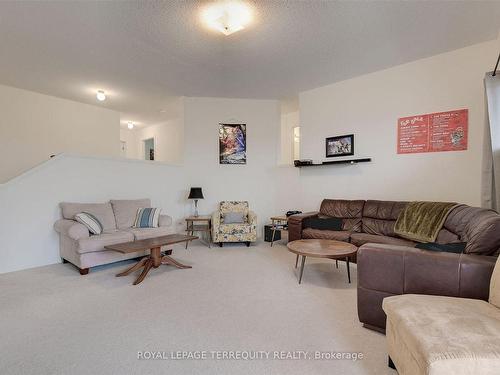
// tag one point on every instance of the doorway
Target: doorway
(149, 149)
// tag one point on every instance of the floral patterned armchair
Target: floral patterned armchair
(245, 232)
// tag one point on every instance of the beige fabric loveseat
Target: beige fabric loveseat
(78, 247)
(435, 335)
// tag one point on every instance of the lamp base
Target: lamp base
(196, 208)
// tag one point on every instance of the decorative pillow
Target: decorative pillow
(90, 221)
(331, 223)
(147, 218)
(234, 218)
(455, 247)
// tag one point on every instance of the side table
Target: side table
(199, 224)
(278, 223)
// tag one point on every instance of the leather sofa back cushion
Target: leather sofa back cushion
(125, 211)
(479, 227)
(379, 217)
(349, 211)
(102, 211)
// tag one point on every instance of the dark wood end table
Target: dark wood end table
(315, 248)
(154, 259)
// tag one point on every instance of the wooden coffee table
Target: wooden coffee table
(330, 249)
(154, 259)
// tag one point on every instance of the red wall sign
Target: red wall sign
(443, 131)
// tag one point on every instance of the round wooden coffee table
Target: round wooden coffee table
(330, 249)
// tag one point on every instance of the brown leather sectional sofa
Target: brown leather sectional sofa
(389, 265)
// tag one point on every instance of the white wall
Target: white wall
(168, 136)
(34, 126)
(32, 199)
(255, 181)
(288, 122)
(369, 107)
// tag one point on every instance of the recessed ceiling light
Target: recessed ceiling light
(227, 17)
(130, 125)
(101, 96)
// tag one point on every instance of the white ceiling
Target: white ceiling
(145, 53)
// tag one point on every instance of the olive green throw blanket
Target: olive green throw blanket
(422, 221)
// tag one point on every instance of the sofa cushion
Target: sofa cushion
(102, 211)
(125, 211)
(443, 335)
(339, 235)
(97, 242)
(379, 217)
(359, 239)
(145, 233)
(350, 211)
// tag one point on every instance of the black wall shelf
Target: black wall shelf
(330, 162)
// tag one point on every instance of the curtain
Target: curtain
(491, 167)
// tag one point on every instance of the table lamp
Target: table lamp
(195, 193)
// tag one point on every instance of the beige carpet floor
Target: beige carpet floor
(235, 299)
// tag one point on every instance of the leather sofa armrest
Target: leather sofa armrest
(295, 225)
(71, 229)
(385, 270)
(165, 221)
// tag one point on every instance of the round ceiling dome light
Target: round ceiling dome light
(101, 96)
(227, 17)
(130, 125)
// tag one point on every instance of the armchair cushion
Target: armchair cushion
(71, 229)
(233, 206)
(234, 218)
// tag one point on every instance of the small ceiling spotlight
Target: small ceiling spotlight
(227, 17)
(101, 96)
(130, 125)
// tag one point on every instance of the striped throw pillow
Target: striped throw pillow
(90, 221)
(147, 218)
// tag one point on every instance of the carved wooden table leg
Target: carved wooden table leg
(154, 260)
(135, 267)
(169, 261)
(147, 267)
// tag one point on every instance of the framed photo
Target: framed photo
(342, 145)
(232, 144)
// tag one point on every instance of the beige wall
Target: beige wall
(369, 107)
(34, 126)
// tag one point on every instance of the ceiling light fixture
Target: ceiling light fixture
(101, 96)
(227, 17)
(130, 125)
